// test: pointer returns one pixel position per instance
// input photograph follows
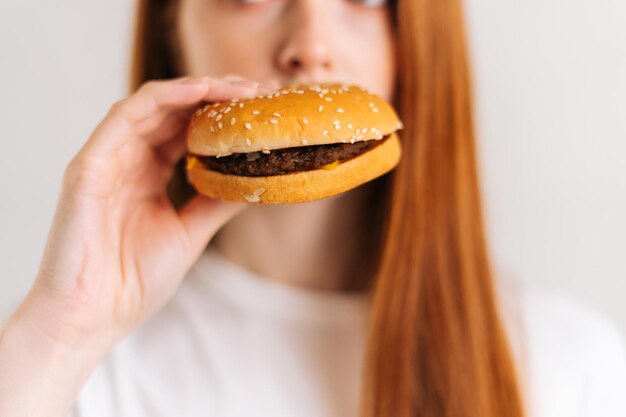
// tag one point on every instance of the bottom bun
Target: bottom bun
(298, 187)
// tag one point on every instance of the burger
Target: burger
(298, 144)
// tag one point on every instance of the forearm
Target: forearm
(40, 376)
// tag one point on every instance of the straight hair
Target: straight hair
(436, 344)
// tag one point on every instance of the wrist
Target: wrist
(42, 376)
(56, 333)
(68, 323)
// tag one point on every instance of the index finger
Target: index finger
(117, 128)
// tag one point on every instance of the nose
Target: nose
(306, 47)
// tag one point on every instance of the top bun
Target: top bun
(294, 116)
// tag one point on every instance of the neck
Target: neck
(321, 244)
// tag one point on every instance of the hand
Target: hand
(117, 249)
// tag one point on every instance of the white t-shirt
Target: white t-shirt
(231, 343)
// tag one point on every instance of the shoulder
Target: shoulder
(572, 356)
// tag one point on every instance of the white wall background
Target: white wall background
(62, 64)
(551, 115)
(550, 81)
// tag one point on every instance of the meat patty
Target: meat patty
(287, 160)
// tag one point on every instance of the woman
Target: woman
(277, 314)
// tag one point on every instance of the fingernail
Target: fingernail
(245, 83)
(233, 77)
(269, 87)
(270, 84)
(196, 81)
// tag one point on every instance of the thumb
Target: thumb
(203, 216)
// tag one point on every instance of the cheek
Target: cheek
(384, 67)
(372, 53)
(211, 46)
(246, 53)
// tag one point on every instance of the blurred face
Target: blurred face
(294, 41)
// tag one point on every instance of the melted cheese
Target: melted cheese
(332, 165)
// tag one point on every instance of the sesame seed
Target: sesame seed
(336, 122)
(339, 110)
(320, 108)
(218, 118)
(321, 95)
(370, 104)
(305, 120)
(232, 121)
(240, 105)
(273, 121)
(352, 139)
(255, 197)
(219, 125)
(226, 110)
(325, 132)
(212, 129)
(249, 142)
(248, 126)
(328, 99)
(252, 198)
(364, 130)
(304, 141)
(324, 91)
(337, 127)
(265, 151)
(374, 109)
(277, 115)
(349, 126)
(255, 112)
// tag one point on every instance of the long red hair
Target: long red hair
(437, 346)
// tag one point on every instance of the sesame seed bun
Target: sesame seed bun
(298, 187)
(293, 117)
